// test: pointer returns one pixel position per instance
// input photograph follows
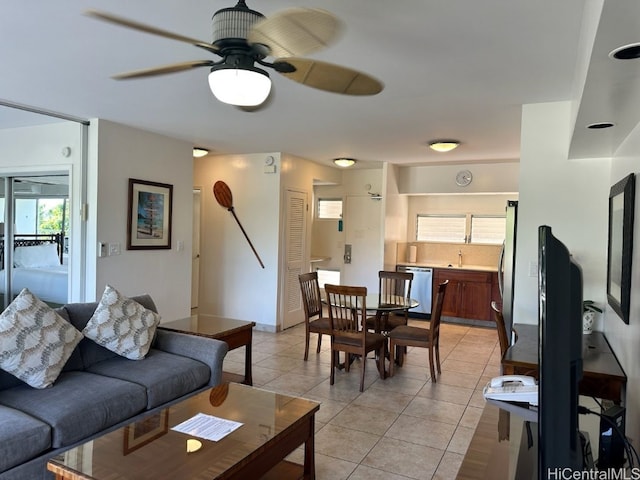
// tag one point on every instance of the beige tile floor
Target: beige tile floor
(398, 428)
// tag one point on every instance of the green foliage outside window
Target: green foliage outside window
(53, 217)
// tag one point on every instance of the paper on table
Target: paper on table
(207, 427)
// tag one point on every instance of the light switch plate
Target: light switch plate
(114, 249)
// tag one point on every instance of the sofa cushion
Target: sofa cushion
(122, 325)
(79, 315)
(35, 342)
(21, 437)
(165, 376)
(80, 404)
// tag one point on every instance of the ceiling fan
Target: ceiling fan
(243, 38)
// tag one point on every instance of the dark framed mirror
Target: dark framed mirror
(620, 250)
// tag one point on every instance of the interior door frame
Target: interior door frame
(196, 247)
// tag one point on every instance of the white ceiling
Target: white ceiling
(451, 68)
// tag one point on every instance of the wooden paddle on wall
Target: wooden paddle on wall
(222, 192)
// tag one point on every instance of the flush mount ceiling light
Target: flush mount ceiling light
(199, 152)
(344, 162)
(443, 145)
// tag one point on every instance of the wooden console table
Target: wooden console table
(603, 376)
(235, 333)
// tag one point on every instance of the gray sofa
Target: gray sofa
(98, 391)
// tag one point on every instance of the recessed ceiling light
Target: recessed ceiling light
(626, 52)
(600, 125)
(199, 152)
(443, 145)
(344, 162)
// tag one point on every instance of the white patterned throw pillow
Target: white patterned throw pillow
(122, 325)
(35, 342)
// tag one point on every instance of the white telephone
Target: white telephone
(512, 388)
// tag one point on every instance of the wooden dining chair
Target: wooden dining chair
(391, 284)
(503, 339)
(314, 321)
(410, 336)
(347, 314)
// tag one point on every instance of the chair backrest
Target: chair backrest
(394, 283)
(347, 310)
(500, 326)
(436, 313)
(311, 299)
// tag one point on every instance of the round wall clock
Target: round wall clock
(463, 178)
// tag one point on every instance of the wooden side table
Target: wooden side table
(235, 333)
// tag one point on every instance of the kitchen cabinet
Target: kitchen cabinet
(469, 293)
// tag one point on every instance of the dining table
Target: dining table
(386, 304)
(383, 304)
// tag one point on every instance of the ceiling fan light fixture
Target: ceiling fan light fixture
(199, 152)
(243, 87)
(443, 146)
(344, 162)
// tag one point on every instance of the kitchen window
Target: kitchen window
(329, 208)
(487, 229)
(461, 228)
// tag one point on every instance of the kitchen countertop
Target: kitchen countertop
(480, 268)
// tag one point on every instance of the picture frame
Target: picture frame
(142, 432)
(620, 247)
(150, 215)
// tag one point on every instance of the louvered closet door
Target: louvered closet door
(296, 239)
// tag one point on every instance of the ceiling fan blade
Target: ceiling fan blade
(173, 68)
(330, 77)
(296, 31)
(124, 22)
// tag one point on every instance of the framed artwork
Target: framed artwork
(149, 218)
(620, 250)
(144, 431)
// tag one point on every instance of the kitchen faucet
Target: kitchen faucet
(459, 258)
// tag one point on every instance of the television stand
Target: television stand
(603, 376)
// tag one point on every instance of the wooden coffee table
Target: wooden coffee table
(236, 333)
(274, 425)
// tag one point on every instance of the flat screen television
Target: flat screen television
(560, 355)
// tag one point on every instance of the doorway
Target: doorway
(35, 248)
(195, 253)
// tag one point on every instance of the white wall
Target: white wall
(625, 339)
(232, 283)
(487, 177)
(117, 153)
(396, 215)
(571, 196)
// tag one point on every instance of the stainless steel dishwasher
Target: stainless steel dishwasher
(420, 287)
